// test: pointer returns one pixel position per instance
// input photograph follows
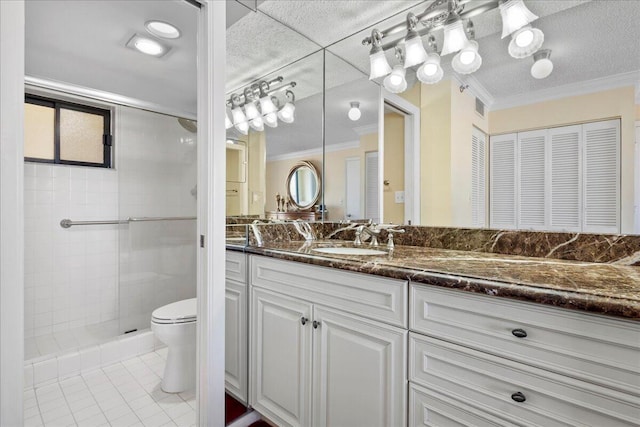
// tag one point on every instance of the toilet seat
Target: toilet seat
(177, 312)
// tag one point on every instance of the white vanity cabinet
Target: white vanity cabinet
(503, 362)
(328, 347)
(236, 333)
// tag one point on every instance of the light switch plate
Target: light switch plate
(399, 196)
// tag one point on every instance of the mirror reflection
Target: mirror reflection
(503, 145)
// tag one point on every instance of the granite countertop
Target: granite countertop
(601, 288)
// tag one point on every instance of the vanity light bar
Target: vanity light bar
(255, 90)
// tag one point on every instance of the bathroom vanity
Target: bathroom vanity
(356, 340)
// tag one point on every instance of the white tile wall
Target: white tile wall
(71, 275)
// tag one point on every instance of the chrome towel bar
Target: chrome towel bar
(67, 223)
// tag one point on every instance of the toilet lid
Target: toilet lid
(176, 312)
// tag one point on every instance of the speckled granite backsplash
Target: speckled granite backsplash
(600, 248)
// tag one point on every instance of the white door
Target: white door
(352, 189)
(636, 168)
(371, 191)
(281, 364)
(236, 339)
(358, 371)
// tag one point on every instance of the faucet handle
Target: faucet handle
(391, 231)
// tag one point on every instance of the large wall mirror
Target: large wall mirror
(431, 154)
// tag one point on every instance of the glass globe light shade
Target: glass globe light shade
(468, 60)
(251, 111)
(430, 72)
(396, 81)
(238, 116)
(455, 37)
(515, 15)
(414, 50)
(271, 120)
(525, 42)
(257, 124)
(354, 112)
(243, 127)
(267, 106)
(286, 114)
(379, 65)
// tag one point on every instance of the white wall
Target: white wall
(91, 274)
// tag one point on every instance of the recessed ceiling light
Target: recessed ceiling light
(147, 46)
(162, 29)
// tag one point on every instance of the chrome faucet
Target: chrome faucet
(351, 226)
(256, 231)
(304, 229)
(373, 231)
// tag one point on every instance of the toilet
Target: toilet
(175, 325)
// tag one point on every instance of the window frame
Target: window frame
(58, 104)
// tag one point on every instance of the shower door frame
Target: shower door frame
(211, 214)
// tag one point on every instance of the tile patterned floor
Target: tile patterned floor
(120, 395)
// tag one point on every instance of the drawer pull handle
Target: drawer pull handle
(303, 320)
(316, 324)
(518, 397)
(520, 333)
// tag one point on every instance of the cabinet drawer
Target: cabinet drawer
(432, 409)
(588, 347)
(365, 295)
(236, 266)
(487, 382)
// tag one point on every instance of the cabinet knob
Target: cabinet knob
(520, 333)
(518, 397)
(316, 324)
(304, 320)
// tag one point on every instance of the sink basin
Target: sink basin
(350, 251)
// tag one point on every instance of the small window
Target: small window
(66, 133)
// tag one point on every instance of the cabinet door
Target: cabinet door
(281, 358)
(236, 339)
(359, 371)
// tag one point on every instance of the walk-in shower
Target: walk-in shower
(104, 247)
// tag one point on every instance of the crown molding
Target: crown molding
(366, 129)
(573, 89)
(315, 151)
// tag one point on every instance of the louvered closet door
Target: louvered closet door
(478, 177)
(566, 171)
(503, 181)
(601, 176)
(532, 200)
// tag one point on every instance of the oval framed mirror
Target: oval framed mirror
(303, 185)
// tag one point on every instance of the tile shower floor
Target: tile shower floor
(123, 394)
(47, 344)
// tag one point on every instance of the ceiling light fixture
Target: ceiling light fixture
(162, 29)
(354, 112)
(542, 65)
(147, 46)
(453, 17)
(258, 105)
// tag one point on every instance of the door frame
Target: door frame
(636, 179)
(412, 175)
(211, 213)
(346, 187)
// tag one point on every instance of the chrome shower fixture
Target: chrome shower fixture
(258, 105)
